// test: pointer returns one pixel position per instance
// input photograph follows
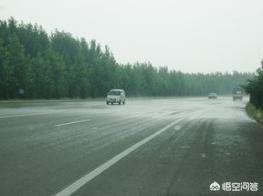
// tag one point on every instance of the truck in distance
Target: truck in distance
(237, 94)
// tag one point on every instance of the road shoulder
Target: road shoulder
(254, 113)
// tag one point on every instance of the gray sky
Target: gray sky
(186, 35)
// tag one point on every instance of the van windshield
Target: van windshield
(114, 93)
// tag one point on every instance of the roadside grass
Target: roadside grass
(254, 113)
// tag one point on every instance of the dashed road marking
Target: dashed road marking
(74, 122)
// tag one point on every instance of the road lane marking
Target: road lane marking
(203, 155)
(91, 175)
(185, 147)
(22, 115)
(177, 127)
(69, 123)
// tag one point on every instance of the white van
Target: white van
(116, 96)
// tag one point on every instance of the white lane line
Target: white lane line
(89, 176)
(22, 115)
(69, 123)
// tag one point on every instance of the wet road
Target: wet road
(148, 147)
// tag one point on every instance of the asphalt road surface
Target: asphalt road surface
(147, 147)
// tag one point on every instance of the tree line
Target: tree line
(35, 64)
(254, 88)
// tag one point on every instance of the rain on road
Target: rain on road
(147, 147)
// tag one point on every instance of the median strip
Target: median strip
(74, 122)
(91, 175)
(24, 115)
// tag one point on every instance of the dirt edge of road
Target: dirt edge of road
(254, 113)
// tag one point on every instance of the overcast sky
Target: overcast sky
(186, 35)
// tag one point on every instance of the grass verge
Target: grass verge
(257, 114)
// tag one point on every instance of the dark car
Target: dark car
(212, 96)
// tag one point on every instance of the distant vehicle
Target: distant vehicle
(212, 96)
(237, 94)
(116, 96)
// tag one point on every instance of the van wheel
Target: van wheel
(107, 103)
(123, 102)
(119, 102)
